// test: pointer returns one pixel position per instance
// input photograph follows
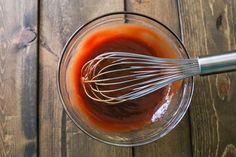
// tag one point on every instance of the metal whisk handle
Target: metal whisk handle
(217, 63)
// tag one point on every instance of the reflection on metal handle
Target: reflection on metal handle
(217, 63)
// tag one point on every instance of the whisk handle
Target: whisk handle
(217, 63)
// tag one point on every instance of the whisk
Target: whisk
(115, 77)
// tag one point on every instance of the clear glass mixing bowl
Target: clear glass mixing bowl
(149, 133)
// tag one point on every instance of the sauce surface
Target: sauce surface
(129, 115)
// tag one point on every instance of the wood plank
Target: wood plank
(18, 78)
(208, 28)
(177, 143)
(58, 135)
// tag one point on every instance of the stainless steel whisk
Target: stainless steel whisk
(115, 77)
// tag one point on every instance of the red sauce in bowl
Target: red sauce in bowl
(129, 115)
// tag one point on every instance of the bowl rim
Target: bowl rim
(65, 106)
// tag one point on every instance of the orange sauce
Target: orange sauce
(129, 115)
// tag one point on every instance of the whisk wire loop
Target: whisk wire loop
(115, 77)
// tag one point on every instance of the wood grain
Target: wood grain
(208, 28)
(58, 135)
(178, 142)
(18, 78)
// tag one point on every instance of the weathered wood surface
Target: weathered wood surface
(58, 135)
(18, 78)
(206, 27)
(210, 27)
(178, 142)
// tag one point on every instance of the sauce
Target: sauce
(129, 115)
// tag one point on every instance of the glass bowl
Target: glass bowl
(153, 131)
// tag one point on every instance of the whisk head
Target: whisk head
(115, 77)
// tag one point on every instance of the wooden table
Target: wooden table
(32, 120)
